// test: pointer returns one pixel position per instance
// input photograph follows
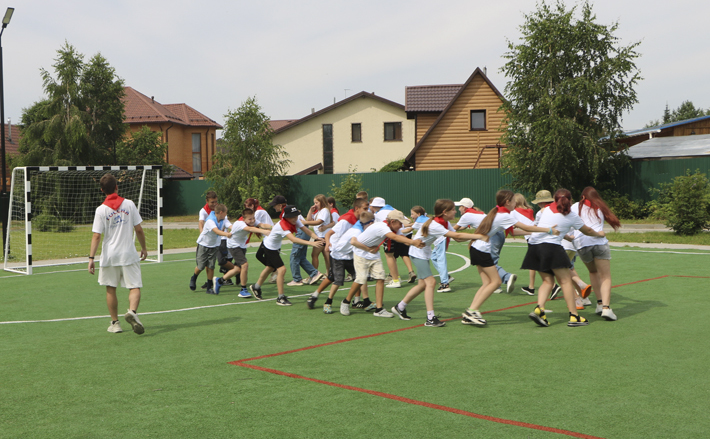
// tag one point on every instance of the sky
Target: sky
(294, 56)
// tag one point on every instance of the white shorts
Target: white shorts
(127, 276)
(365, 267)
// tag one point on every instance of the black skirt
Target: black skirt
(480, 258)
(545, 257)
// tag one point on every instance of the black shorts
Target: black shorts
(397, 248)
(270, 258)
(223, 255)
(546, 257)
(480, 258)
(239, 254)
(338, 267)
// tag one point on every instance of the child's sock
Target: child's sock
(402, 306)
(430, 315)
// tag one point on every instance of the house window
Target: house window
(478, 120)
(327, 148)
(196, 153)
(356, 130)
(393, 131)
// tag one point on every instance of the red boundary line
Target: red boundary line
(242, 363)
(694, 277)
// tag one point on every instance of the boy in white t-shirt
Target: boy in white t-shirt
(241, 230)
(116, 219)
(223, 259)
(208, 244)
(367, 259)
(268, 253)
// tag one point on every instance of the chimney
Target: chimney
(152, 99)
(485, 71)
(313, 110)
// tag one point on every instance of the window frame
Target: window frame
(395, 139)
(485, 120)
(352, 132)
(328, 168)
(197, 154)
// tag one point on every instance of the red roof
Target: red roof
(12, 139)
(142, 109)
(276, 124)
(427, 98)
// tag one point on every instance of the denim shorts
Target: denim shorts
(588, 254)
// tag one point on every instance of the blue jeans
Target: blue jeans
(497, 242)
(438, 258)
(299, 258)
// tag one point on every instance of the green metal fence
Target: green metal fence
(406, 189)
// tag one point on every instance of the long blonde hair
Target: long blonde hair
(441, 206)
(521, 201)
(322, 201)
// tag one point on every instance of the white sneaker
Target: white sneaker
(511, 283)
(295, 283)
(498, 291)
(394, 284)
(133, 320)
(586, 302)
(315, 279)
(383, 313)
(451, 279)
(115, 327)
(599, 309)
(608, 314)
(272, 278)
(473, 318)
(344, 308)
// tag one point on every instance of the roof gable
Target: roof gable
(362, 94)
(139, 108)
(429, 98)
(475, 73)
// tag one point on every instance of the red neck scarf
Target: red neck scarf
(553, 207)
(241, 218)
(281, 215)
(334, 210)
(527, 213)
(113, 201)
(503, 209)
(259, 208)
(588, 203)
(473, 210)
(444, 224)
(285, 225)
(207, 208)
(348, 216)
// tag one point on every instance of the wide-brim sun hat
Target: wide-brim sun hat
(543, 197)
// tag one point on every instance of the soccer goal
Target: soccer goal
(52, 211)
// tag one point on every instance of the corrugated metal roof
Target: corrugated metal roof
(429, 97)
(662, 147)
(661, 127)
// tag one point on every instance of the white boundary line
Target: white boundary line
(467, 263)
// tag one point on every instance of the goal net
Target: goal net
(52, 211)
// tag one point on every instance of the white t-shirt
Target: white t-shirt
(522, 219)
(470, 219)
(118, 247)
(323, 214)
(335, 216)
(239, 235)
(436, 232)
(338, 230)
(203, 214)
(501, 222)
(263, 217)
(563, 223)
(343, 249)
(273, 240)
(381, 214)
(590, 220)
(371, 237)
(208, 238)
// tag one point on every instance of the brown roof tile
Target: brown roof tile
(429, 97)
(276, 124)
(142, 109)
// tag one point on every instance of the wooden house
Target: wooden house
(457, 126)
(689, 127)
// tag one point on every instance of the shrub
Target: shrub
(395, 166)
(624, 208)
(688, 203)
(44, 222)
(345, 194)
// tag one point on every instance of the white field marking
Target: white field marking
(635, 251)
(466, 265)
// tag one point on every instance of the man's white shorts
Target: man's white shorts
(127, 276)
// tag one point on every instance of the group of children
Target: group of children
(350, 243)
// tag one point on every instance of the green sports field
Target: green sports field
(219, 366)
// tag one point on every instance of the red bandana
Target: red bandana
(588, 203)
(281, 215)
(553, 207)
(113, 201)
(285, 225)
(527, 213)
(348, 216)
(259, 208)
(473, 210)
(207, 208)
(445, 224)
(334, 210)
(503, 209)
(241, 218)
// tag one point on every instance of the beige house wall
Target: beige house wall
(304, 142)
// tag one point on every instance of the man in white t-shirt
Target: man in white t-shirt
(116, 219)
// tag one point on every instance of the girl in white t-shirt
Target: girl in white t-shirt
(547, 256)
(430, 231)
(498, 219)
(594, 252)
(319, 214)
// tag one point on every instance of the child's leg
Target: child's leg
(210, 273)
(490, 280)
(280, 275)
(543, 293)
(392, 265)
(438, 258)
(231, 273)
(244, 274)
(413, 293)
(264, 274)
(408, 263)
(430, 287)
(197, 272)
(297, 253)
(380, 293)
(565, 279)
(531, 282)
(112, 302)
(314, 256)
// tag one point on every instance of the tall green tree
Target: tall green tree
(143, 147)
(81, 120)
(685, 111)
(247, 163)
(569, 83)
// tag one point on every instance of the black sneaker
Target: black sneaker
(223, 270)
(311, 302)
(283, 301)
(210, 291)
(228, 282)
(555, 291)
(435, 322)
(256, 292)
(193, 282)
(402, 314)
(538, 316)
(206, 285)
(359, 304)
(529, 291)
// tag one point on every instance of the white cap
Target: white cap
(466, 202)
(378, 202)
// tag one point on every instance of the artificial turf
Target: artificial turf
(641, 376)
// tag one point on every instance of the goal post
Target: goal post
(52, 209)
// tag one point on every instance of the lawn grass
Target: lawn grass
(642, 376)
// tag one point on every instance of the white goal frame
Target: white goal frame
(26, 266)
